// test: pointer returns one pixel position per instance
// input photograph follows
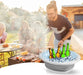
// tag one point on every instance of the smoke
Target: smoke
(34, 33)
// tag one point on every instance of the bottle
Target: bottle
(50, 53)
(53, 53)
(67, 51)
(58, 52)
(63, 52)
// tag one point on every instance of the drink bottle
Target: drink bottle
(58, 52)
(63, 52)
(67, 50)
(53, 53)
(50, 53)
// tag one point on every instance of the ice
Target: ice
(62, 59)
(72, 57)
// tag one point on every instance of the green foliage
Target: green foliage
(11, 37)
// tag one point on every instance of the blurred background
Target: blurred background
(12, 12)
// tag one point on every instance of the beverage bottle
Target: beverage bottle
(58, 52)
(50, 53)
(67, 50)
(53, 53)
(63, 52)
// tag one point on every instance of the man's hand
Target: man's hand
(61, 43)
(71, 30)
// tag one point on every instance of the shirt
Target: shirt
(60, 27)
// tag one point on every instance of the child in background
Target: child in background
(3, 33)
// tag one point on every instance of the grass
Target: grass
(11, 37)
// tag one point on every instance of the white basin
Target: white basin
(59, 66)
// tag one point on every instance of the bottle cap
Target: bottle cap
(52, 49)
(49, 48)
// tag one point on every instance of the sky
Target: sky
(33, 5)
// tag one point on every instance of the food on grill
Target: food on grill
(5, 45)
(17, 57)
(30, 57)
(23, 60)
(20, 58)
(15, 46)
(24, 53)
(38, 61)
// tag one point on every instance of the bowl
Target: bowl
(60, 64)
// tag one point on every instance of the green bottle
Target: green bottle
(67, 51)
(63, 52)
(60, 51)
(53, 53)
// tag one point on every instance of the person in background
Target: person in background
(3, 33)
(24, 36)
(59, 24)
(30, 37)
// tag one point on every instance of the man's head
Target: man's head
(51, 10)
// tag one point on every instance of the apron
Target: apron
(57, 41)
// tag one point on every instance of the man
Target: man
(59, 24)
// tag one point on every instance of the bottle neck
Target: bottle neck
(49, 50)
(63, 49)
(58, 50)
(68, 47)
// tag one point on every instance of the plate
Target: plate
(12, 46)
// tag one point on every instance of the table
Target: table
(10, 51)
(38, 69)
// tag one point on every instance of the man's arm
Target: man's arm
(71, 30)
